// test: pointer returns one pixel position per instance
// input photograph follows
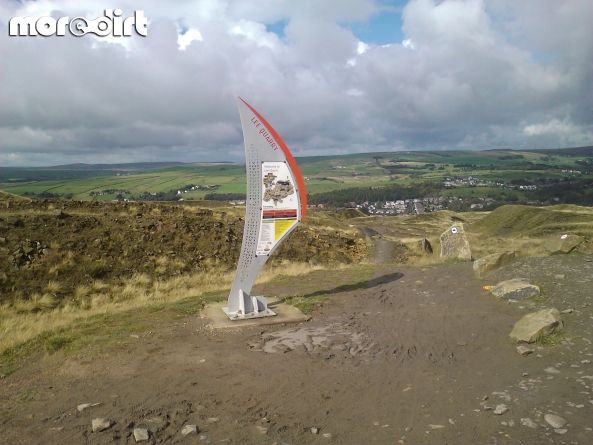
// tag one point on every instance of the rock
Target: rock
(212, 419)
(565, 243)
(555, 421)
(454, 243)
(262, 429)
(524, 350)
(500, 409)
(314, 430)
(567, 311)
(80, 408)
(536, 325)
(60, 214)
(515, 289)
(189, 429)
(425, 246)
(490, 262)
(100, 424)
(559, 276)
(156, 424)
(551, 370)
(140, 434)
(526, 421)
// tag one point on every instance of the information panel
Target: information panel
(279, 205)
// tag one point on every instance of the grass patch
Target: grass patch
(93, 334)
(307, 292)
(91, 331)
(553, 339)
(306, 304)
(56, 342)
(539, 299)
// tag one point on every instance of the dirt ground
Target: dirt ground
(413, 356)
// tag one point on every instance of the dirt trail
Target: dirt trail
(417, 356)
(383, 249)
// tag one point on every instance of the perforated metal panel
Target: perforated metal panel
(252, 214)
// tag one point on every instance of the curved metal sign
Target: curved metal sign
(276, 204)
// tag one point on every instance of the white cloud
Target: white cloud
(481, 75)
(189, 36)
(407, 43)
(554, 126)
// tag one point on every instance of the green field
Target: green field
(322, 174)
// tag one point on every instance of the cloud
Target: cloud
(469, 74)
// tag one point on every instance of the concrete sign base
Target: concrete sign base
(284, 313)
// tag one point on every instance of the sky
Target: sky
(332, 76)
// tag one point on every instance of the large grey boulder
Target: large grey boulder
(454, 243)
(515, 289)
(490, 262)
(564, 243)
(536, 325)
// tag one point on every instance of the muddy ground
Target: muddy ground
(413, 356)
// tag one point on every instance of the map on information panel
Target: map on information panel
(279, 205)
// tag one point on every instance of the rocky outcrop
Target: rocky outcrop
(562, 244)
(515, 289)
(27, 252)
(425, 246)
(536, 325)
(490, 262)
(454, 243)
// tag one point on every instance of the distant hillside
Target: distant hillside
(123, 166)
(519, 220)
(82, 170)
(336, 180)
(576, 151)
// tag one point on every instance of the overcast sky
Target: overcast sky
(332, 76)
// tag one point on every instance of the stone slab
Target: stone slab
(285, 313)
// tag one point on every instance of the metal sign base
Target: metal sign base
(249, 316)
(257, 308)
